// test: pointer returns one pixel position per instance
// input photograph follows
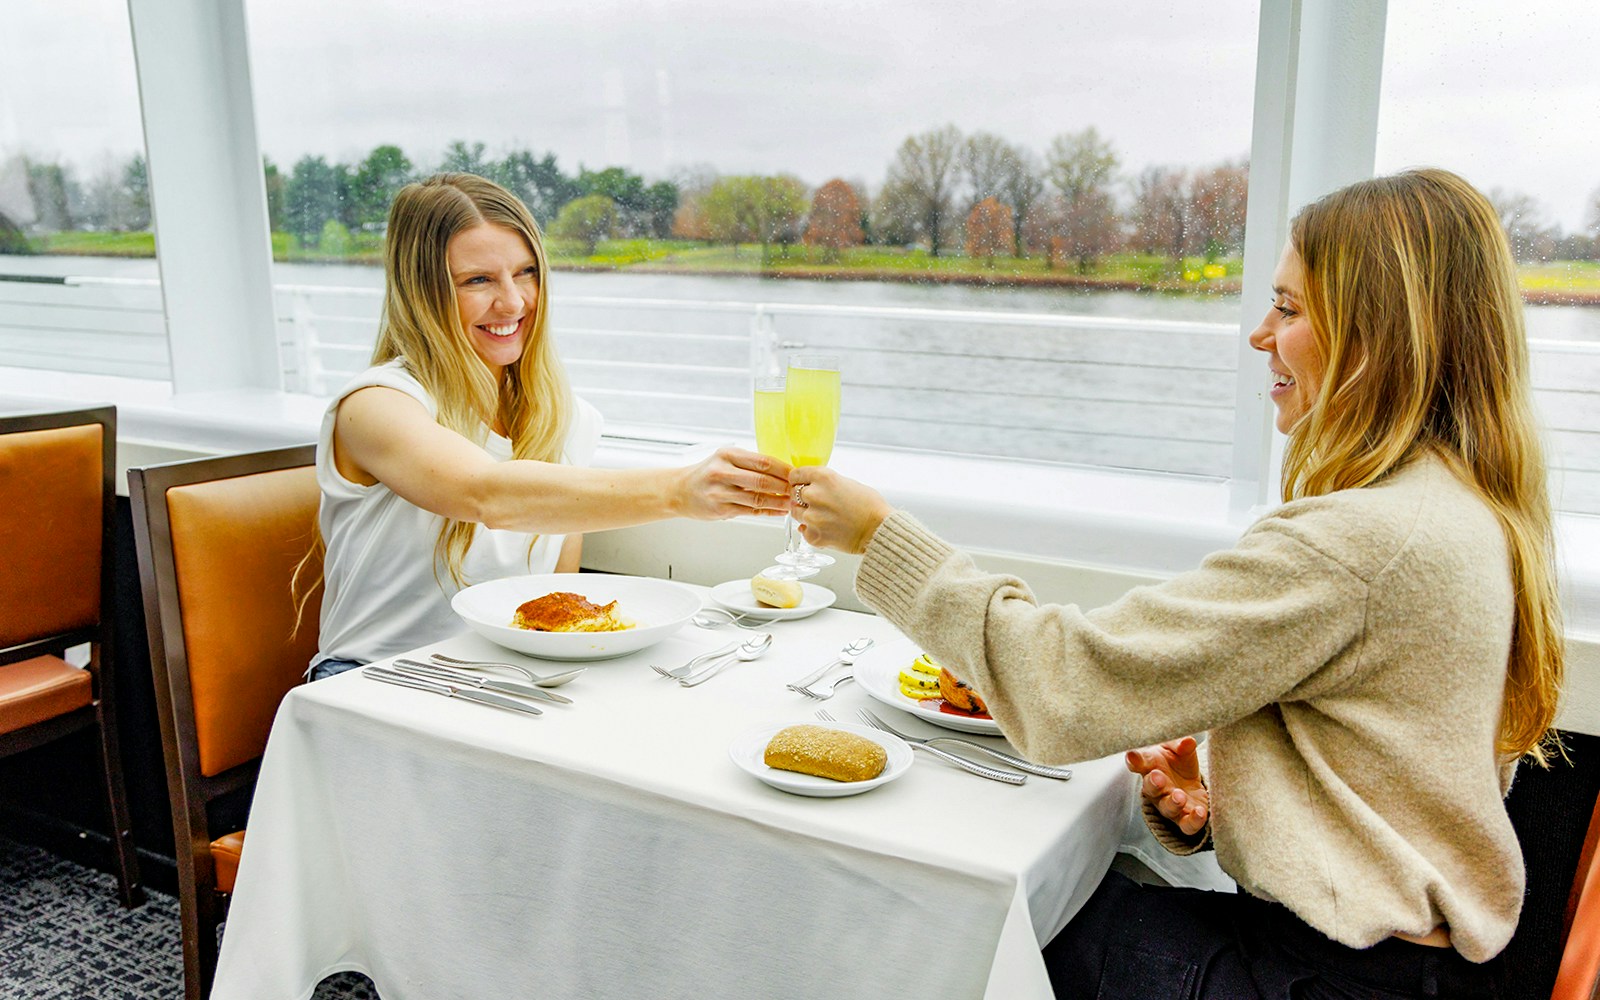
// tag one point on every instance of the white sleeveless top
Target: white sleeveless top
(382, 596)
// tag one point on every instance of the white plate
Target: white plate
(735, 595)
(657, 608)
(750, 750)
(878, 672)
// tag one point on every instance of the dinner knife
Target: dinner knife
(388, 676)
(449, 675)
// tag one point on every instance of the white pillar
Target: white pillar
(213, 241)
(1319, 65)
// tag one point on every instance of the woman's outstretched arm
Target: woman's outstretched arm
(384, 435)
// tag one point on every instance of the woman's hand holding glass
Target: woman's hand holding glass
(733, 482)
(834, 511)
(1172, 781)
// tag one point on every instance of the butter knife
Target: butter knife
(388, 676)
(449, 675)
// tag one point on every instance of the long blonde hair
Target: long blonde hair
(422, 327)
(1413, 300)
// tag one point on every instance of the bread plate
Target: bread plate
(878, 673)
(658, 608)
(750, 750)
(735, 595)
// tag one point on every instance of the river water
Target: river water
(1544, 322)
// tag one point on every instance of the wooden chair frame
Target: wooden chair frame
(202, 906)
(100, 712)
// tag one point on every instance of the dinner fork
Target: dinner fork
(1043, 770)
(981, 770)
(677, 673)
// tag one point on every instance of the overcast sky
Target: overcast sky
(1504, 93)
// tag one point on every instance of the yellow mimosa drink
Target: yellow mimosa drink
(812, 409)
(772, 433)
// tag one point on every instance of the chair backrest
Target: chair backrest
(57, 497)
(218, 542)
(1579, 975)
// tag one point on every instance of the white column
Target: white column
(1319, 65)
(207, 197)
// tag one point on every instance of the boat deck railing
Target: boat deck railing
(1132, 393)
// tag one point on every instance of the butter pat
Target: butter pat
(776, 593)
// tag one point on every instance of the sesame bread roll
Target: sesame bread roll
(826, 753)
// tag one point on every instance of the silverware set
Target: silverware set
(707, 665)
(1023, 768)
(812, 684)
(474, 680)
(718, 617)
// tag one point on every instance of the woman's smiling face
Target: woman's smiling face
(1293, 357)
(496, 279)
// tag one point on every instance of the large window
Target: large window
(1021, 231)
(78, 282)
(1503, 96)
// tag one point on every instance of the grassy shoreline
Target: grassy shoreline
(1556, 283)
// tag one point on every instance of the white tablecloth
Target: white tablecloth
(612, 849)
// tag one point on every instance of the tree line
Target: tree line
(944, 190)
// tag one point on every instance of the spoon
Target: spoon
(538, 680)
(752, 648)
(708, 618)
(847, 657)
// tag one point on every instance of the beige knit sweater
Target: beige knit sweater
(1348, 657)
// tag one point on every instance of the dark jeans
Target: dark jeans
(1139, 942)
(327, 668)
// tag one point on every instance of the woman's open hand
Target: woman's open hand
(733, 482)
(1172, 781)
(836, 512)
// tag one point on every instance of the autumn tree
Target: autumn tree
(1082, 167)
(1022, 188)
(751, 209)
(1161, 212)
(1217, 199)
(989, 230)
(997, 169)
(922, 183)
(835, 221)
(586, 220)
(1532, 238)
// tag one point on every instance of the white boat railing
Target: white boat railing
(1122, 392)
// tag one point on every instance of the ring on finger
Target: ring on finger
(799, 500)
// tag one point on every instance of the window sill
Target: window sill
(1130, 522)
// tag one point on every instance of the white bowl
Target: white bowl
(658, 608)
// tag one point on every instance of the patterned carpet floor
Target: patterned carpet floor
(63, 936)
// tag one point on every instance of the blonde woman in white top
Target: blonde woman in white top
(457, 457)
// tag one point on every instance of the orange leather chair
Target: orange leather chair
(57, 499)
(1579, 976)
(218, 542)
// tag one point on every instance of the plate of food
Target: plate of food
(823, 761)
(774, 600)
(902, 676)
(576, 616)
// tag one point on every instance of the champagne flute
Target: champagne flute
(772, 440)
(811, 411)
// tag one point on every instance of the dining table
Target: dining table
(612, 847)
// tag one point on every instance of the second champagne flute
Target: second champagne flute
(772, 440)
(811, 409)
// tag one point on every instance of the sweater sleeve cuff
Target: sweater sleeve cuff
(900, 557)
(1173, 839)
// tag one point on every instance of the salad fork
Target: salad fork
(1043, 770)
(981, 770)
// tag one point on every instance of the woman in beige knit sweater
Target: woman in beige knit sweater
(1370, 660)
